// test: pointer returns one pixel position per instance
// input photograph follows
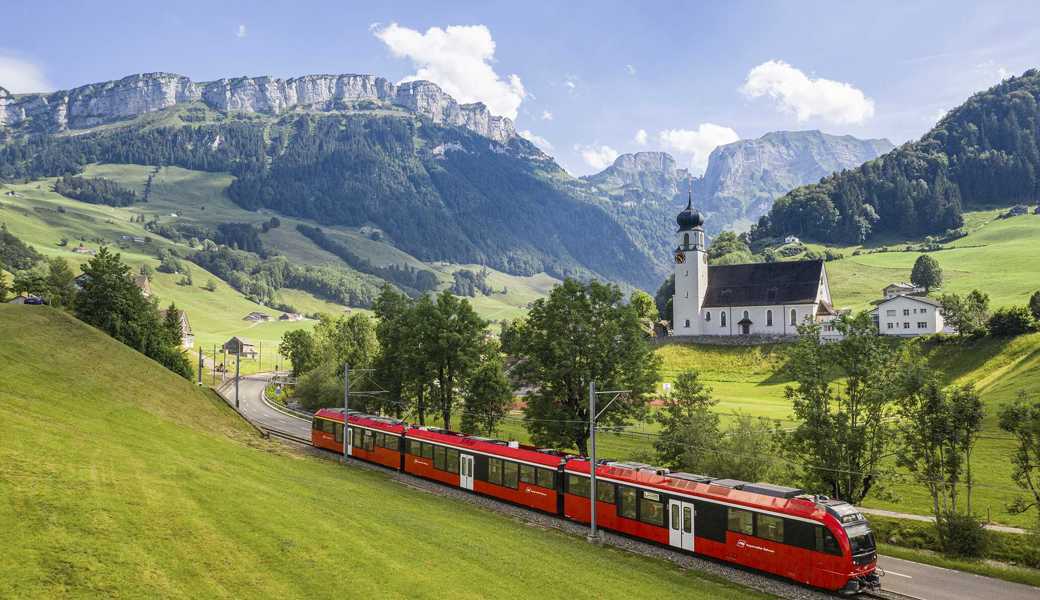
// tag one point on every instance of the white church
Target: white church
(769, 299)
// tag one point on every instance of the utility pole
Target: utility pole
(346, 408)
(593, 533)
(260, 357)
(238, 370)
(200, 364)
(213, 373)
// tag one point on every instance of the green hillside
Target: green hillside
(119, 479)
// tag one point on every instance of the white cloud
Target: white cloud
(542, 143)
(547, 115)
(698, 143)
(1003, 73)
(241, 32)
(937, 115)
(458, 59)
(597, 157)
(640, 137)
(630, 69)
(795, 92)
(570, 82)
(21, 76)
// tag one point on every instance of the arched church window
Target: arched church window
(794, 317)
(707, 316)
(686, 239)
(746, 315)
(687, 323)
(722, 320)
(687, 295)
(769, 318)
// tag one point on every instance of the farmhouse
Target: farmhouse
(237, 345)
(909, 316)
(901, 289)
(769, 299)
(291, 317)
(257, 316)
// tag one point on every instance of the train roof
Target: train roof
(357, 418)
(764, 496)
(488, 446)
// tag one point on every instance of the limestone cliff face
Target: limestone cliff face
(100, 103)
(643, 176)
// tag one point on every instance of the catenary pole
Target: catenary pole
(200, 364)
(213, 373)
(593, 533)
(346, 408)
(238, 370)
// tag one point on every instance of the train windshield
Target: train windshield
(861, 538)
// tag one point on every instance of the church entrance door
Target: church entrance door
(745, 328)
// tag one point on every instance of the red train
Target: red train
(780, 530)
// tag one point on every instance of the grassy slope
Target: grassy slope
(119, 479)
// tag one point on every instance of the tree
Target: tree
(171, 325)
(488, 395)
(211, 285)
(927, 273)
(3, 284)
(146, 270)
(580, 333)
(1022, 420)
(842, 431)
(937, 433)
(644, 305)
(968, 315)
(689, 430)
(1012, 320)
(395, 340)
(664, 298)
(31, 282)
(1034, 305)
(299, 347)
(453, 349)
(745, 450)
(728, 248)
(346, 340)
(61, 282)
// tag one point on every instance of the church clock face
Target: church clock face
(680, 258)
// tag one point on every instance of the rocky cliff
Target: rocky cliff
(99, 103)
(642, 177)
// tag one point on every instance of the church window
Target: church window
(722, 320)
(687, 294)
(746, 315)
(707, 316)
(686, 239)
(794, 317)
(769, 318)
(687, 326)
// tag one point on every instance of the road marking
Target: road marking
(887, 572)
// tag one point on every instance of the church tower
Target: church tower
(691, 272)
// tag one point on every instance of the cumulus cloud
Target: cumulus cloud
(631, 70)
(21, 76)
(640, 137)
(698, 143)
(597, 157)
(241, 32)
(797, 93)
(542, 143)
(547, 115)
(458, 59)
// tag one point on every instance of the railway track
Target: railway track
(285, 435)
(888, 595)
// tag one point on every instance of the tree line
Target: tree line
(95, 190)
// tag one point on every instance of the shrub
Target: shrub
(1012, 320)
(965, 535)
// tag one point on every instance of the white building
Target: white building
(901, 289)
(909, 316)
(750, 299)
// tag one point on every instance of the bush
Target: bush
(1013, 320)
(965, 535)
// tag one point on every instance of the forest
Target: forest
(95, 190)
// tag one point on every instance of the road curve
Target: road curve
(917, 580)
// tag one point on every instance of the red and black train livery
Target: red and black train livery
(780, 530)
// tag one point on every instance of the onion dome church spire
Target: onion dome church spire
(689, 218)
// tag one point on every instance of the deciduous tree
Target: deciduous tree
(1022, 420)
(61, 282)
(299, 347)
(927, 273)
(488, 394)
(689, 429)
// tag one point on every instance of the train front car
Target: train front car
(858, 548)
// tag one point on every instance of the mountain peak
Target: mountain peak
(100, 103)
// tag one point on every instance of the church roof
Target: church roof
(758, 284)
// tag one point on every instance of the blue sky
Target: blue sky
(583, 78)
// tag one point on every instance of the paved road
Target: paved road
(930, 519)
(253, 407)
(936, 583)
(905, 577)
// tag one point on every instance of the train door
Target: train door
(350, 441)
(680, 527)
(466, 471)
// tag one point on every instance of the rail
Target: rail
(287, 436)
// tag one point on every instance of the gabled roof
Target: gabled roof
(921, 299)
(759, 284)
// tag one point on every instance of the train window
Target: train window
(800, 534)
(327, 426)
(527, 474)
(628, 501)
(710, 521)
(427, 450)
(495, 471)
(605, 491)
(316, 424)
(370, 441)
(414, 448)
(769, 527)
(651, 509)
(452, 459)
(675, 517)
(545, 479)
(741, 521)
(510, 473)
(825, 541)
(577, 485)
(438, 458)
(339, 433)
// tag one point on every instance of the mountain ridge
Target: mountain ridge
(104, 102)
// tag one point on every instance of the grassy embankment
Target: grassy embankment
(119, 479)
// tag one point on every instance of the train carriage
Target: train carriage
(508, 471)
(371, 438)
(780, 530)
